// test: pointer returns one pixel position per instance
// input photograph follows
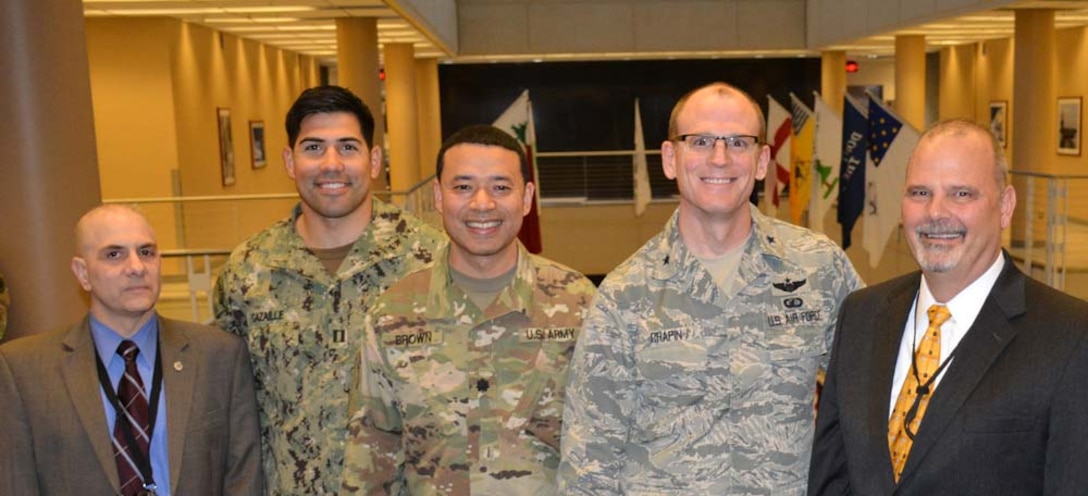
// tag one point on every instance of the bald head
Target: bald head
(91, 221)
(117, 262)
(958, 131)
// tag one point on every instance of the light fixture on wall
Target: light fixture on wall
(851, 66)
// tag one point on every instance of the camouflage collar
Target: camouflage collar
(763, 254)
(517, 297)
(763, 233)
(286, 249)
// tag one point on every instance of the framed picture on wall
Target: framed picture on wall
(1069, 125)
(256, 144)
(226, 145)
(999, 119)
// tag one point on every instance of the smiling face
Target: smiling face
(333, 166)
(954, 208)
(715, 184)
(118, 264)
(482, 198)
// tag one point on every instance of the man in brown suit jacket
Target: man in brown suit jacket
(58, 421)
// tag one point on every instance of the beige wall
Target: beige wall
(957, 83)
(134, 119)
(594, 239)
(496, 27)
(157, 84)
(875, 72)
(1071, 80)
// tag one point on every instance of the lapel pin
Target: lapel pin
(178, 366)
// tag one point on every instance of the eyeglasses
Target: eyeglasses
(704, 143)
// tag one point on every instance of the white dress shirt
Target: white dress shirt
(964, 308)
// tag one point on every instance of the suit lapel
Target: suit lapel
(81, 380)
(890, 321)
(980, 347)
(179, 374)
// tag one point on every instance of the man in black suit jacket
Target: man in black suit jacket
(1008, 413)
(55, 436)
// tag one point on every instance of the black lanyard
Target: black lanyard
(143, 460)
(923, 389)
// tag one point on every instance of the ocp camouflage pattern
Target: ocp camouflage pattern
(455, 400)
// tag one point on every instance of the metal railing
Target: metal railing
(198, 233)
(1050, 238)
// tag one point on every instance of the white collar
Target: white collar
(967, 304)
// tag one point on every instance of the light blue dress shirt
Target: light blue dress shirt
(106, 342)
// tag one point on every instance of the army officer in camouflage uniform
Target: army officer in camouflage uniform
(696, 369)
(466, 361)
(299, 291)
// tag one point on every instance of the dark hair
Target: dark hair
(487, 136)
(328, 100)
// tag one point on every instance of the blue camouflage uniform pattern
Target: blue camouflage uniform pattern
(304, 329)
(462, 401)
(678, 388)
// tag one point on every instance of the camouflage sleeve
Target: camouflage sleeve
(600, 403)
(373, 457)
(853, 280)
(848, 282)
(226, 301)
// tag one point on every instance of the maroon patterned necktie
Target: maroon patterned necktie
(130, 393)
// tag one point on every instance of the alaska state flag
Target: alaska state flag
(855, 142)
(891, 141)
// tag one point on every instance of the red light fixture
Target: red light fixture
(851, 66)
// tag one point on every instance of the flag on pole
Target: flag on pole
(643, 193)
(517, 121)
(827, 151)
(891, 141)
(800, 158)
(779, 127)
(855, 142)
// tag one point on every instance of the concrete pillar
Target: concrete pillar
(400, 91)
(1034, 132)
(50, 169)
(358, 67)
(1033, 127)
(833, 78)
(957, 83)
(429, 109)
(910, 79)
